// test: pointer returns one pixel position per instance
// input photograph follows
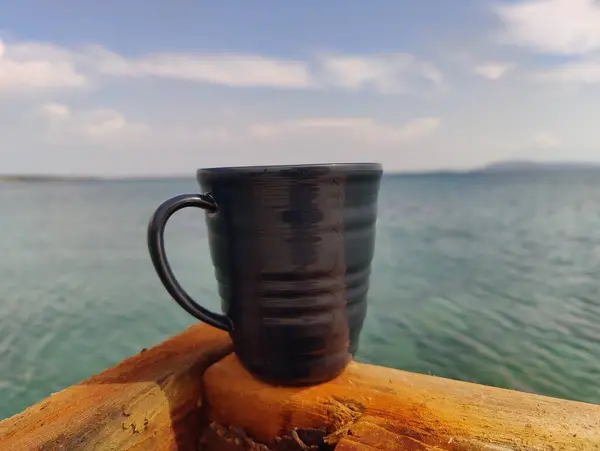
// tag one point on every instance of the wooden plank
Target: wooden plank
(370, 407)
(150, 401)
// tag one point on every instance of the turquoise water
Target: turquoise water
(486, 278)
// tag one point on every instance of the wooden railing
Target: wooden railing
(191, 393)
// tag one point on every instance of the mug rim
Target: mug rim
(353, 166)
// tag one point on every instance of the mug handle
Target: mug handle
(156, 246)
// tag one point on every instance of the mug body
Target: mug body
(292, 248)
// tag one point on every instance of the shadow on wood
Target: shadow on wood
(151, 401)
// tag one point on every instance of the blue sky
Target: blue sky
(144, 88)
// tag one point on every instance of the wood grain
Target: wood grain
(151, 401)
(370, 407)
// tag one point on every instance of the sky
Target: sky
(163, 88)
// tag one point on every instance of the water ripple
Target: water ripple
(489, 280)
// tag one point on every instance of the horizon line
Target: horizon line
(505, 166)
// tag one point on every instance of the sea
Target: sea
(490, 278)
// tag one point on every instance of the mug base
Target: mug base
(297, 377)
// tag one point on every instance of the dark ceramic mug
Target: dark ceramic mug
(292, 249)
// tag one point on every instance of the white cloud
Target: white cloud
(586, 72)
(107, 126)
(47, 68)
(388, 73)
(545, 139)
(564, 27)
(385, 73)
(349, 128)
(492, 70)
(104, 125)
(56, 110)
(430, 72)
(224, 69)
(36, 64)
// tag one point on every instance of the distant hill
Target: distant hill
(532, 166)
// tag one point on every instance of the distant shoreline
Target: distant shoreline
(48, 178)
(507, 167)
